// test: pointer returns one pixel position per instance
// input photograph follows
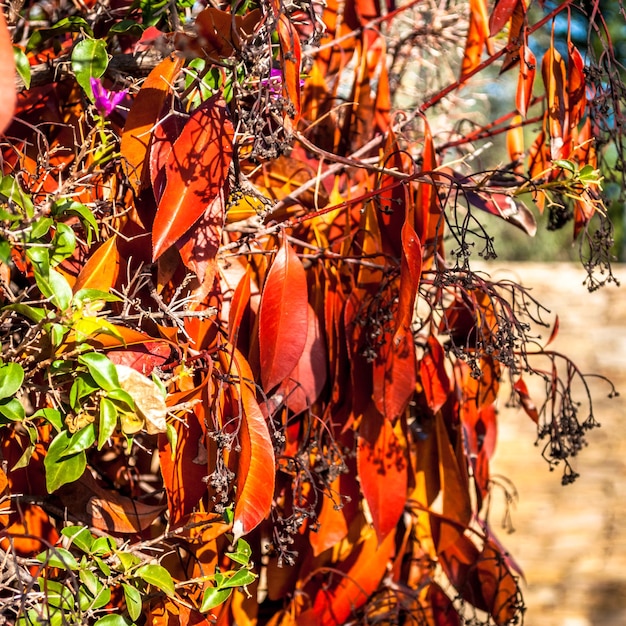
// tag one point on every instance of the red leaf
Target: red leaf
(443, 611)
(433, 375)
(307, 379)
(283, 315)
(143, 358)
(8, 94)
(395, 374)
(198, 247)
(500, 15)
(142, 117)
(197, 170)
(383, 472)
(526, 79)
(163, 137)
(527, 404)
(410, 274)
(256, 468)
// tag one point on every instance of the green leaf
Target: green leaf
(52, 416)
(104, 568)
(40, 228)
(103, 546)
(66, 25)
(62, 207)
(119, 395)
(63, 244)
(22, 65)
(133, 601)
(58, 557)
(61, 469)
(12, 409)
(127, 561)
(113, 620)
(61, 291)
(213, 597)
(81, 440)
(57, 596)
(157, 576)
(10, 189)
(86, 296)
(79, 536)
(101, 369)
(107, 422)
(34, 314)
(82, 387)
(11, 379)
(127, 27)
(565, 165)
(240, 578)
(242, 553)
(89, 60)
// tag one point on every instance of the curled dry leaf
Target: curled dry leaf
(148, 399)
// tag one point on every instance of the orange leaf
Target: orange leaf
(256, 468)
(282, 317)
(362, 572)
(142, 117)
(456, 505)
(197, 171)
(576, 84)
(101, 269)
(8, 94)
(332, 524)
(291, 59)
(515, 140)
(221, 32)
(307, 379)
(238, 305)
(477, 36)
(497, 586)
(383, 472)
(183, 475)
(554, 79)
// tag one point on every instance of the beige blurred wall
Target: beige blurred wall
(571, 541)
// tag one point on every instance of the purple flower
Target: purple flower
(106, 101)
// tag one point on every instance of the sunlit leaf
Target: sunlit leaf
(256, 469)
(89, 60)
(143, 115)
(197, 170)
(383, 472)
(157, 576)
(101, 269)
(283, 316)
(8, 95)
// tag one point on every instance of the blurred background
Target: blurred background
(570, 541)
